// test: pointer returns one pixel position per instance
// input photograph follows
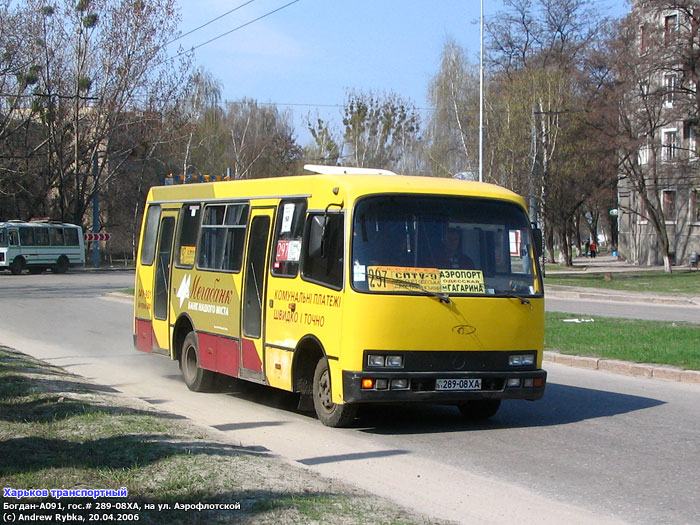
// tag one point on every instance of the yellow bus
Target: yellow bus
(347, 288)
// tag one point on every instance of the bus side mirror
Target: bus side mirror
(537, 237)
(316, 235)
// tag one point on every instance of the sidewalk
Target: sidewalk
(602, 264)
(607, 264)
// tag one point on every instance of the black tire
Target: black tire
(479, 409)
(328, 412)
(61, 264)
(17, 265)
(196, 378)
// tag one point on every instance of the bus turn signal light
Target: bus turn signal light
(367, 384)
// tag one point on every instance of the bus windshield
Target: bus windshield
(445, 245)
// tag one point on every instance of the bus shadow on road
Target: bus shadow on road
(561, 405)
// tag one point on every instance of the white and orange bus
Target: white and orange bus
(347, 288)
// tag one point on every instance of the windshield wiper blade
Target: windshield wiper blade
(444, 298)
(505, 293)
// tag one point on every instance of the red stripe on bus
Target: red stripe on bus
(144, 336)
(227, 356)
(218, 354)
(251, 360)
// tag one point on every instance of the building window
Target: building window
(644, 87)
(643, 155)
(695, 205)
(670, 88)
(670, 28)
(669, 205)
(690, 135)
(643, 39)
(670, 144)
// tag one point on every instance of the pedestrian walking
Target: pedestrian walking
(587, 247)
(594, 248)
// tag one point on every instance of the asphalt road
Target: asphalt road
(629, 310)
(597, 448)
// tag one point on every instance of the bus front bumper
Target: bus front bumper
(441, 387)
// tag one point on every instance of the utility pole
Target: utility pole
(95, 215)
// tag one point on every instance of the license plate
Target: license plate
(458, 384)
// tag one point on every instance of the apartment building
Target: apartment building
(660, 188)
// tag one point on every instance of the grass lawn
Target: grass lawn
(679, 282)
(58, 431)
(653, 342)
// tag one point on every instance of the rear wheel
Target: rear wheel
(479, 409)
(17, 266)
(196, 378)
(329, 413)
(61, 264)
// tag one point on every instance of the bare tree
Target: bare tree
(261, 141)
(536, 52)
(99, 65)
(452, 130)
(379, 130)
(326, 148)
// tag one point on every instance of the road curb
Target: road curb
(668, 373)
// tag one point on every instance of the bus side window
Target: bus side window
(326, 265)
(42, 236)
(26, 236)
(71, 236)
(236, 221)
(148, 245)
(222, 237)
(14, 238)
(56, 236)
(188, 232)
(289, 232)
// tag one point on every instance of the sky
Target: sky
(308, 55)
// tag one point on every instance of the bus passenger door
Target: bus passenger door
(161, 282)
(254, 290)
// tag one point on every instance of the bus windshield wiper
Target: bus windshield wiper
(505, 293)
(444, 298)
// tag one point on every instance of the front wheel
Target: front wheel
(479, 409)
(329, 413)
(196, 378)
(17, 266)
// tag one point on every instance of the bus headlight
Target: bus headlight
(395, 361)
(375, 360)
(392, 361)
(521, 360)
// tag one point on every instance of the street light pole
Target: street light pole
(481, 98)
